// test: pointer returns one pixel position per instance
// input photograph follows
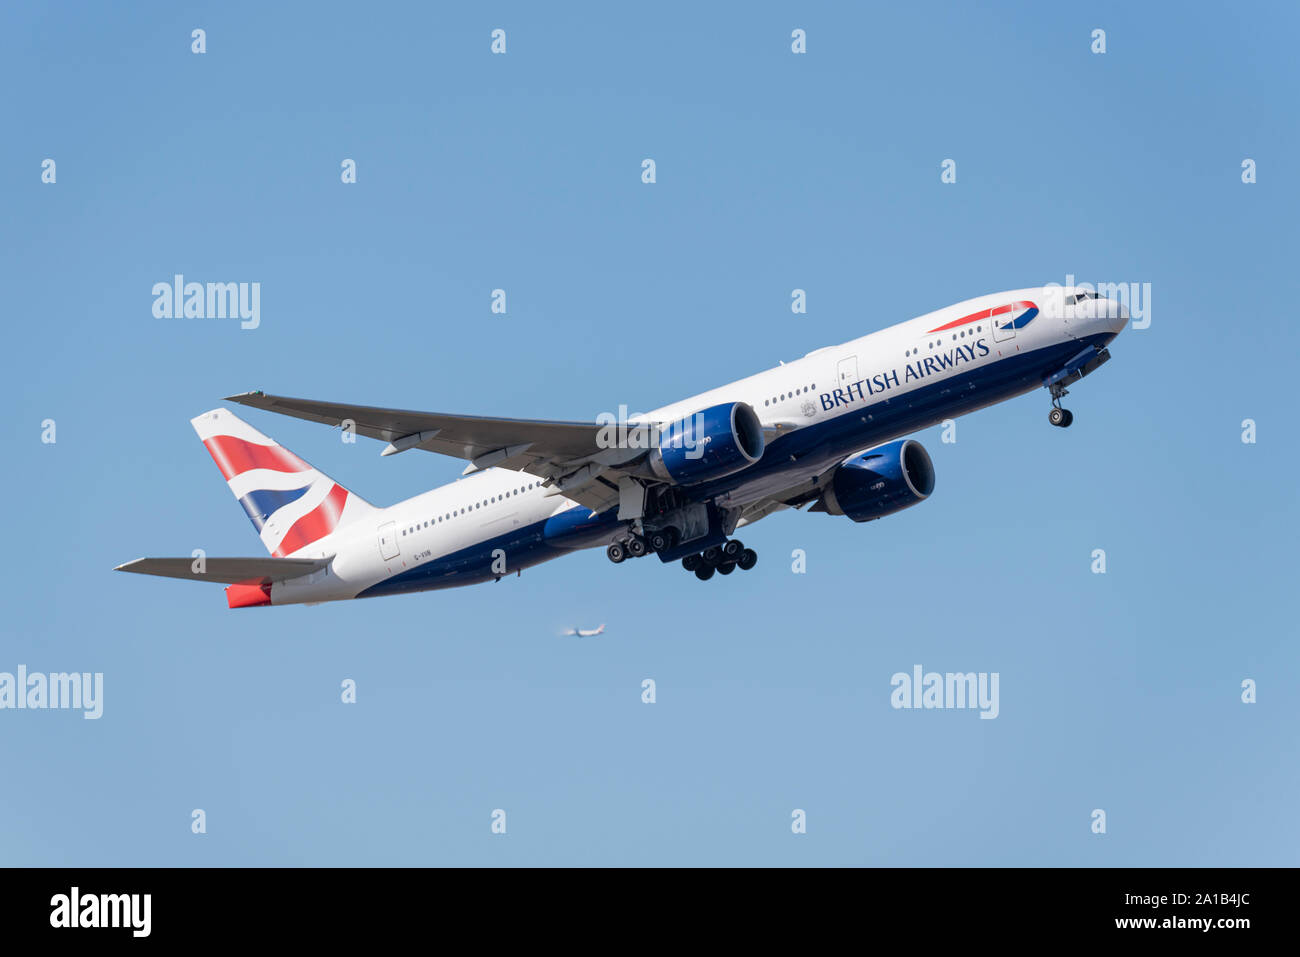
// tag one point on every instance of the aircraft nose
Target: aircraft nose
(1113, 315)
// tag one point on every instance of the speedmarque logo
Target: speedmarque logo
(102, 910)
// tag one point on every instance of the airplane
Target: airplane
(827, 432)
(584, 632)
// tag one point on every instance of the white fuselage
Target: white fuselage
(880, 368)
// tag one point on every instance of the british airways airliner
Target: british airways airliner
(826, 432)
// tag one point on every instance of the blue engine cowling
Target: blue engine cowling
(713, 442)
(880, 481)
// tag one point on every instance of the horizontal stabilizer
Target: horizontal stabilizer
(227, 571)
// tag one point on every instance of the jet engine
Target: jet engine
(879, 482)
(710, 444)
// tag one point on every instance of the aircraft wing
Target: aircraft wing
(796, 496)
(227, 571)
(565, 454)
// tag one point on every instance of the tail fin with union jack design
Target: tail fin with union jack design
(292, 505)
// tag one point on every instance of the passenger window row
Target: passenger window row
(455, 513)
(790, 395)
(938, 343)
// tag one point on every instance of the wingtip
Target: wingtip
(243, 397)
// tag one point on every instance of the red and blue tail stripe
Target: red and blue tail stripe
(236, 456)
(316, 524)
(262, 503)
(291, 504)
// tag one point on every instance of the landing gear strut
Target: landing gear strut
(1059, 417)
(661, 540)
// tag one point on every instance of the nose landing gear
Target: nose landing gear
(1059, 417)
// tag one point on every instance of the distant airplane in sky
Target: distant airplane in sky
(825, 431)
(585, 632)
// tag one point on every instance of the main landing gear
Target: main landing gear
(635, 546)
(717, 559)
(722, 559)
(1059, 417)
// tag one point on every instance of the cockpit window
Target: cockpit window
(1080, 297)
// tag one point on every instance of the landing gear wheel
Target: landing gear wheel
(1059, 417)
(733, 548)
(616, 552)
(712, 555)
(636, 547)
(658, 541)
(692, 562)
(704, 572)
(747, 560)
(726, 568)
(1069, 419)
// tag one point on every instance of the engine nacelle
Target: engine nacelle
(880, 481)
(710, 444)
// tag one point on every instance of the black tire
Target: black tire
(747, 560)
(1069, 419)
(1057, 417)
(732, 549)
(658, 541)
(691, 562)
(712, 555)
(616, 552)
(704, 572)
(636, 547)
(726, 568)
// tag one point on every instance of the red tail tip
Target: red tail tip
(248, 596)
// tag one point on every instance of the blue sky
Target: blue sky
(775, 171)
